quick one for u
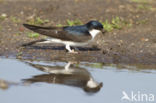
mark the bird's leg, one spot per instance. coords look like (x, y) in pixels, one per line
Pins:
(67, 66)
(70, 50)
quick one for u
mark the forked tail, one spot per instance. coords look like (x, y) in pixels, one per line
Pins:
(33, 42)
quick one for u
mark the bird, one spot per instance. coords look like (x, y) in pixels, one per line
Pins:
(69, 74)
(78, 35)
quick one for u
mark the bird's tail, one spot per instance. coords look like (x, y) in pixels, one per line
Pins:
(33, 27)
(48, 31)
(33, 42)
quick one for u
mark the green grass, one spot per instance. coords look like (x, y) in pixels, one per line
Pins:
(19, 54)
(59, 25)
(115, 23)
(142, 21)
(74, 22)
(107, 26)
(37, 21)
(32, 35)
(71, 23)
(15, 19)
(3, 17)
(17, 34)
(145, 7)
(141, 6)
(141, 1)
(97, 65)
(41, 21)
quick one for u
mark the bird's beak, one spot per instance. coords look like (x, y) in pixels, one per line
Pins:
(103, 31)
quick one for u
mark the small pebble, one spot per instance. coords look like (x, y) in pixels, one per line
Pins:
(4, 15)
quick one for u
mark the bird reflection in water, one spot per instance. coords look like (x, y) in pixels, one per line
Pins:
(70, 74)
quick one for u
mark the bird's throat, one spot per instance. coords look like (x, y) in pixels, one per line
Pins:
(94, 32)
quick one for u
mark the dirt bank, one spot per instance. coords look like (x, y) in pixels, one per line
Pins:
(133, 44)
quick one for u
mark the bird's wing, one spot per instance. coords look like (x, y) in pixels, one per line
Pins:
(60, 33)
(46, 68)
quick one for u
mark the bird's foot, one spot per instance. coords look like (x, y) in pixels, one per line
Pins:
(73, 52)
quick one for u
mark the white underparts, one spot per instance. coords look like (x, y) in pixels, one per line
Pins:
(66, 43)
(94, 32)
(70, 43)
(92, 84)
(65, 70)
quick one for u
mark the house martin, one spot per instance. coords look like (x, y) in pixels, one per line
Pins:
(79, 35)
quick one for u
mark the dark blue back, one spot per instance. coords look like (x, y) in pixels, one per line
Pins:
(77, 30)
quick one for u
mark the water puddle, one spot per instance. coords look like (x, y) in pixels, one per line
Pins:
(24, 81)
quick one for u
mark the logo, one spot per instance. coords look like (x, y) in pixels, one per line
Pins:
(137, 96)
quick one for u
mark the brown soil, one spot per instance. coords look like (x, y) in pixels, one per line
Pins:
(130, 45)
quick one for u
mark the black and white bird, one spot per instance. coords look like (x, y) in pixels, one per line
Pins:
(69, 74)
(69, 35)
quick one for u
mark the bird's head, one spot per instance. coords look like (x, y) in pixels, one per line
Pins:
(95, 25)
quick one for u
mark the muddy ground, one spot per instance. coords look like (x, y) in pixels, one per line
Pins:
(135, 44)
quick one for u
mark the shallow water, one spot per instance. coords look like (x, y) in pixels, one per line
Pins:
(23, 81)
